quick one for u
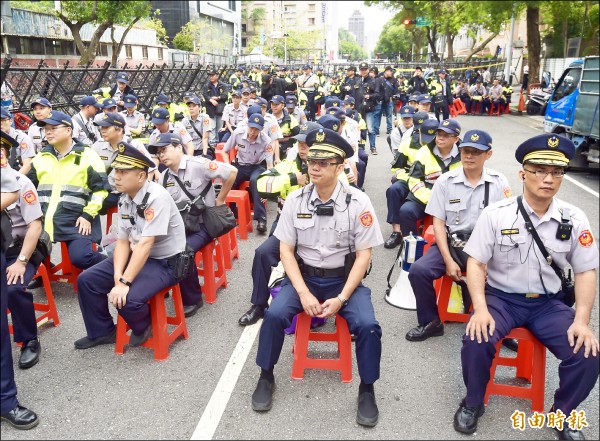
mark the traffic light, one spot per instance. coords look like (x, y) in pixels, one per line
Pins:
(409, 22)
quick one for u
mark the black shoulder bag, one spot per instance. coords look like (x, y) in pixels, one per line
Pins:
(191, 212)
(567, 283)
(458, 240)
(210, 151)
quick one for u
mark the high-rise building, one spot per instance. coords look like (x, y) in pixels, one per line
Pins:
(356, 25)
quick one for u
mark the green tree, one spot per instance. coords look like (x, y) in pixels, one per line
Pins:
(103, 14)
(300, 44)
(395, 38)
(154, 22)
(45, 7)
(349, 47)
(201, 37)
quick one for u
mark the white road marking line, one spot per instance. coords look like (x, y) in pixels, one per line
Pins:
(218, 401)
(580, 185)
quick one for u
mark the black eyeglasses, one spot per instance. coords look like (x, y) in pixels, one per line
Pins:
(541, 174)
(322, 163)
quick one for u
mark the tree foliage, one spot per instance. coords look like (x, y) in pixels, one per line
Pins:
(45, 7)
(200, 36)
(395, 38)
(154, 22)
(103, 14)
(349, 47)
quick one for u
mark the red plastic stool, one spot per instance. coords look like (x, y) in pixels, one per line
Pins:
(161, 337)
(109, 217)
(65, 270)
(429, 236)
(49, 311)
(531, 365)
(300, 348)
(460, 107)
(443, 289)
(205, 263)
(242, 200)
(453, 112)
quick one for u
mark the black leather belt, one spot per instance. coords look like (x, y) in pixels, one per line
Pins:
(322, 272)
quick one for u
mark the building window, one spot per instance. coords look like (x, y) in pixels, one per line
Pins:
(128, 51)
(244, 27)
(311, 21)
(244, 42)
(102, 50)
(311, 7)
(231, 5)
(53, 47)
(160, 53)
(290, 22)
(145, 52)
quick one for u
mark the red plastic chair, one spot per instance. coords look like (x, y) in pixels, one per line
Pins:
(65, 270)
(443, 289)
(205, 260)
(244, 213)
(109, 217)
(531, 365)
(161, 337)
(300, 348)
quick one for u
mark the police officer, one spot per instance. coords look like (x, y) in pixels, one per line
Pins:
(271, 128)
(196, 175)
(287, 123)
(522, 289)
(497, 96)
(83, 129)
(10, 410)
(308, 83)
(351, 83)
(150, 239)
(26, 219)
(112, 129)
(135, 120)
(72, 183)
(444, 97)
(233, 114)
(110, 106)
(417, 84)
(254, 156)
(285, 177)
(456, 201)
(200, 127)
(325, 282)
(121, 89)
(41, 108)
(406, 117)
(215, 97)
(291, 104)
(21, 154)
(162, 124)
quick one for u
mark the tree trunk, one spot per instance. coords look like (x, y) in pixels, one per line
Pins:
(431, 37)
(116, 47)
(481, 46)
(450, 44)
(534, 46)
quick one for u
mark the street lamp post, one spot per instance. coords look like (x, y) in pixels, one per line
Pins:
(285, 36)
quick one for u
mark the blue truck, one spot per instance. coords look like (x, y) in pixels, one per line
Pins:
(572, 110)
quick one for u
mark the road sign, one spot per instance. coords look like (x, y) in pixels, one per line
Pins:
(423, 21)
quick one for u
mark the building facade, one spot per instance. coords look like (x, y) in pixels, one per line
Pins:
(356, 25)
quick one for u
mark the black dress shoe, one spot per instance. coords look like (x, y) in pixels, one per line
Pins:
(261, 226)
(465, 418)
(138, 340)
(253, 315)
(30, 353)
(21, 418)
(511, 343)
(262, 398)
(394, 240)
(434, 328)
(190, 310)
(35, 283)
(367, 413)
(87, 343)
(570, 434)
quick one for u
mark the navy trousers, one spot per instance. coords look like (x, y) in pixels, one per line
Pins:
(251, 173)
(358, 313)
(82, 255)
(95, 284)
(421, 275)
(361, 167)
(191, 293)
(20, 303)
(266, 256)
(8, 388)
(548, 320)
(396, 196)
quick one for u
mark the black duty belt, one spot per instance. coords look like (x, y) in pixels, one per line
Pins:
(322, 272)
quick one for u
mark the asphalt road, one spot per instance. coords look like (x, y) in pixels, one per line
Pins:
(96, 394)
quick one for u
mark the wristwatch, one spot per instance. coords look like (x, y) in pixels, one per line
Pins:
(343, 300)
(124, 281)
(23, 259)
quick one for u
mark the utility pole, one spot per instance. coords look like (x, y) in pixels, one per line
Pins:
(509, 50)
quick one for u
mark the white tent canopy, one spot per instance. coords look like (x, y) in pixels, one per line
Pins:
(254, 57)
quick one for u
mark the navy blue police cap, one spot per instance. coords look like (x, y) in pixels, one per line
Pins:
(450, 126)
(337, 112)
(477, 139)
(407, 111)
(111, 119)
(256, 121)
(129, 158)
(419, 118)
(5, 113)
(163, 140)
(327, 144)
(90, 101)
(329, 122)
(42, 101)
(546, 149)
(56, 118)
(254, 108)
(333, 102)
(123, 77)
(428, 130)
(130, 101)
(305, 129)
(160, 115)
(108, 103)
(278, 99)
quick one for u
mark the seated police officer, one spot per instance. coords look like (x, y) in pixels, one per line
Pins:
(11, 411)
(26, 218)
(187, 176)
(150, 239)
(513, 285)
(326, 221)
(456, 201)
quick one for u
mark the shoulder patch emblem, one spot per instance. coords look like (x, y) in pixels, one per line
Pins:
(29, 197)
(206, 121)
(273, 128)
(269, 149)
(212, 165)
(366, 219)
(149, 214)
(507, 192)
(586, 239)
(23, 145)
(182, 132)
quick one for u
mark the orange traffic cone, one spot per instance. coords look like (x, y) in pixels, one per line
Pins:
(521, 103)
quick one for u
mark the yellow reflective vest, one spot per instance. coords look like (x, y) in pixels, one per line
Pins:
(69, 188)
